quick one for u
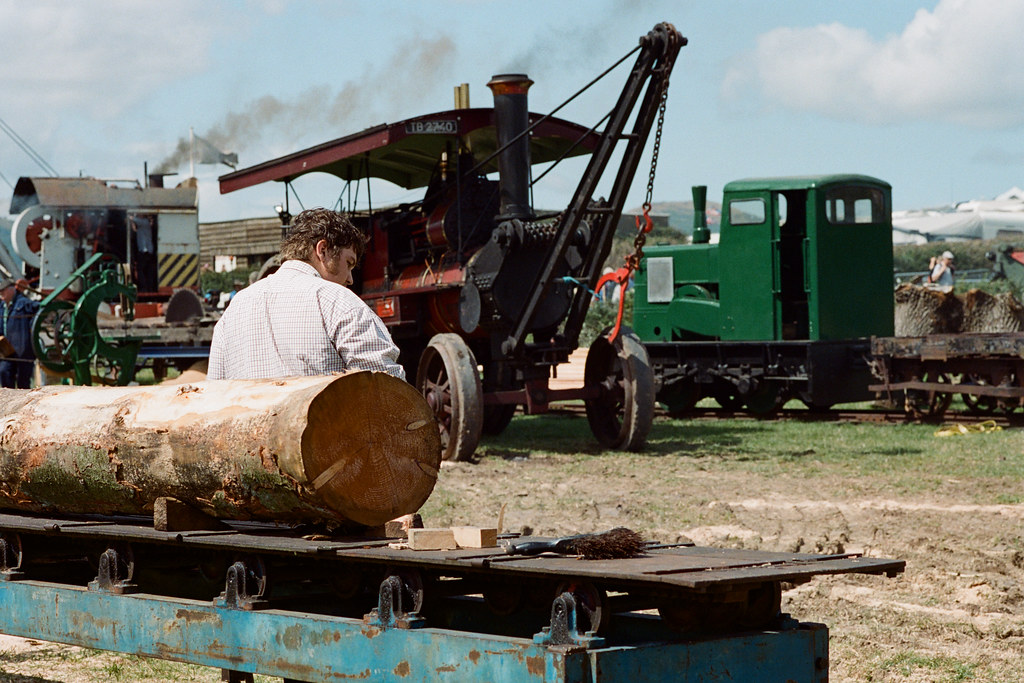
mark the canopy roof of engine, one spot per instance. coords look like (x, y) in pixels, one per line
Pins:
(407, 153)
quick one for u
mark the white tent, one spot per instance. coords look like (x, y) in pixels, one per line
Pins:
(971, 220)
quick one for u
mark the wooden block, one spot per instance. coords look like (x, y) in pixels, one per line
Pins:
(431, 539)
(475, 537)
(399, 527)
(170, 514)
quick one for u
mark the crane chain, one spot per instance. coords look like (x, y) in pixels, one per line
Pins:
(633, 260)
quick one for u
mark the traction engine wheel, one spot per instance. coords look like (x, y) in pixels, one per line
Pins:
(448, 378)
(621, 416)
(497, 417)
(927, 403)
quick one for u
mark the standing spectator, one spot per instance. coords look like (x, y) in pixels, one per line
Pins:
(16, 313)
(941, 270)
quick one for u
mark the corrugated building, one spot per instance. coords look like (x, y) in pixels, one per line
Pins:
(251, 241)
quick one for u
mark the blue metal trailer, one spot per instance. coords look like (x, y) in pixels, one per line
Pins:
(251, 598)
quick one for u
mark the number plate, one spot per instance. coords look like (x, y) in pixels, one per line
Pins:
(442, 127)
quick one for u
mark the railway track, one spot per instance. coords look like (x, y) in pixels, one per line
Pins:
(876, 415)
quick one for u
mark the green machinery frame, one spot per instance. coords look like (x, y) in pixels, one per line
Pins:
(65, 335)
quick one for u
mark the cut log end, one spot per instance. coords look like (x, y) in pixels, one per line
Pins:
(371, 447)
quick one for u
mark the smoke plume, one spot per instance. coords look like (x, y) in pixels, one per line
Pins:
(395, 89)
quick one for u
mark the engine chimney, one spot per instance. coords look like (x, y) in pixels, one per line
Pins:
(511, 118)
(701, 234)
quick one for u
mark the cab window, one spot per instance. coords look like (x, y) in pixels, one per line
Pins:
(746, 212)
(854, 204)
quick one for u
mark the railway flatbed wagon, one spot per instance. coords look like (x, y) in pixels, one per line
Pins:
(986, 369)
(263, 598)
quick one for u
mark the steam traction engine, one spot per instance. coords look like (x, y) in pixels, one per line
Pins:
(472, 277)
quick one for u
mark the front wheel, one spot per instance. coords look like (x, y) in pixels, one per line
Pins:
(448, 378)
(621, 415)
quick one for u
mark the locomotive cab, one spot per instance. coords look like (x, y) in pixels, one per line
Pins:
(803, 265)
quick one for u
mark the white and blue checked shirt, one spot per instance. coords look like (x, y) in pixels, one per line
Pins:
(296, 323)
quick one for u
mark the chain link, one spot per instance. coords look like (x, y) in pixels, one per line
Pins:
(633, 260)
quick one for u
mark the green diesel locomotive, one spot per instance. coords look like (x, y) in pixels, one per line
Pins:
(784, 305)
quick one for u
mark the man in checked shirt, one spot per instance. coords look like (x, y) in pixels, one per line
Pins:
(303, 319)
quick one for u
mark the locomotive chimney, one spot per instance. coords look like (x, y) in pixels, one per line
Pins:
(511, 118)
(701, 234)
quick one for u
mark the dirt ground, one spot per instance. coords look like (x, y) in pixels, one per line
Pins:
(956, 614)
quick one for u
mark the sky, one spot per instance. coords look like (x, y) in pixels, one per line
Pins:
(926, 95)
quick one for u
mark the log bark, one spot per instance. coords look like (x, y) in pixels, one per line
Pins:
(921, 311)
(361, 447)
(984, 312)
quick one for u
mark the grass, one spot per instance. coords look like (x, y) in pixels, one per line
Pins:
(939, 668)
(910, 452)
(555, 478)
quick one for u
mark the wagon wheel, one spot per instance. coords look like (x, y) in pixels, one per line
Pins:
(412, 584)
(763, 604)
(10, 555)
(447, 377)
(1010, 404)
(680, 396)
(765, 400)
(52, 335)
(504, 599)
(591, 605)
(814, 406)
(104, 371)
(981, 405)
(927, 403)
(621, 415)
(725, 394)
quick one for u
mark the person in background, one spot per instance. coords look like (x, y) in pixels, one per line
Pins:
(303, 319)
(942, 270)
(144, 258)
(16, 314)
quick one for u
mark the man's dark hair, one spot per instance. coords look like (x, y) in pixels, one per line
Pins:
(313, 225)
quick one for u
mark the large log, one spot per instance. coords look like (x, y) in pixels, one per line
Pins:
(984, 312)
(361, 447)
(922, 310)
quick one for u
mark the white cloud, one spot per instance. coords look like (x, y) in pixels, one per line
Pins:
(960, 63)
(100, 58)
